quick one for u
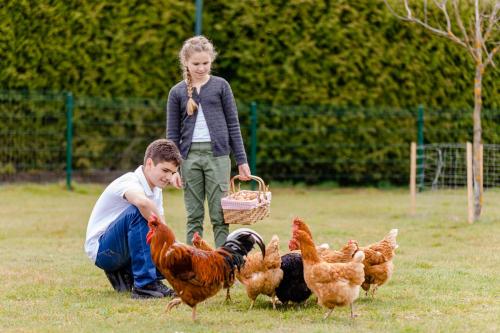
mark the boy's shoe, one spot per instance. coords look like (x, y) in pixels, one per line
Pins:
(148, 291)
(166, 291)
(121, 280)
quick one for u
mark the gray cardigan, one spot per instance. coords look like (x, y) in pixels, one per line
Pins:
(221, 116)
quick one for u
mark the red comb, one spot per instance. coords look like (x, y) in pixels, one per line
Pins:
(196, 236)
(292, 245)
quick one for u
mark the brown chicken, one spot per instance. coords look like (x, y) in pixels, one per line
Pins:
(201, 244)
(345, 254)
(197, 274)
(335, 284)
(262, 275)
(378, 262)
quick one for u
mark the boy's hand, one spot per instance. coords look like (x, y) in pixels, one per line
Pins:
(244, 171)
(176, 181)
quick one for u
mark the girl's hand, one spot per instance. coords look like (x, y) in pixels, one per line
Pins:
(176, 181)
(244, 171)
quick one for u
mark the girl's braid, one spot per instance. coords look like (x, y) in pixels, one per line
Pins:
(191, 106)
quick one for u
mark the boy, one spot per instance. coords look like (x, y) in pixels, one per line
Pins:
(117, 228)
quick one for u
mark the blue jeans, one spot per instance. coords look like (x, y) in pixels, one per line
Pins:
(123, 246)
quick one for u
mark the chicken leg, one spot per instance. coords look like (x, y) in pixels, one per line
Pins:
(353, 315)
(328, 313)
(193, 313)
(366, 287)
(173, 303)
(374, 290)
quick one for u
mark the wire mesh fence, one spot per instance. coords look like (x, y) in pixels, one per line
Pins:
(32, 132)
(110, 136)
(304, 143)
(444, 166)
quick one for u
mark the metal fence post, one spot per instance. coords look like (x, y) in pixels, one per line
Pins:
(420, 148)
(197, 24)
(69, 138)
(253, 141)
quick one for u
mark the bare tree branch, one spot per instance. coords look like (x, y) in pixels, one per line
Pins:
(494, 20)
(408, 11)
(489, 60)
(438, 4)
(451, 35)
(393, 12)
(425, 11)
(409, 18)
(442, 6)
(462, 28)
(467, 39)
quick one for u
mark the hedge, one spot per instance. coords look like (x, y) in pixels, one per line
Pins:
(278, 52)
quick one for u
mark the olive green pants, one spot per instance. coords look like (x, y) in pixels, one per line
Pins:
(205, 176)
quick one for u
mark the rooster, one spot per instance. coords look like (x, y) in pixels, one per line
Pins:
(345, 254)
(197, 274)
(378, 262)
(335, 284)
(201, 244)
(262, 275)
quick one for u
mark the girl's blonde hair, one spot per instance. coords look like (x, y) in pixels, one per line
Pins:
(190, 46)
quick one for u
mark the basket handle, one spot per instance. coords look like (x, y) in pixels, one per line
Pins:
(262, 185)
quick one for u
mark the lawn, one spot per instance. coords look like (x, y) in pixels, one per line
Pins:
(446, 271)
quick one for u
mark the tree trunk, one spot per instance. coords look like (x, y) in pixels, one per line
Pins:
(476, 143)
(478, 103)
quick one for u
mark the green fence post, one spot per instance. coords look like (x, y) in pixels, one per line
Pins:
(420, 147)
(197, 24)
(69, 138)
(253, 141)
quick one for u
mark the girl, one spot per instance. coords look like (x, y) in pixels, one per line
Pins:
(202, 120)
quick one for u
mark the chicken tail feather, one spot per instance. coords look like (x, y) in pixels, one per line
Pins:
(242, 241)
(238, 244)
(359, 256)
(391, 238)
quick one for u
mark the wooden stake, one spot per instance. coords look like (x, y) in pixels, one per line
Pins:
(470, 195)
(413, 178)
(481, 171)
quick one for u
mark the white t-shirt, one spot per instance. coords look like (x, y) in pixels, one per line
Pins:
(112, 203)
(201, 133)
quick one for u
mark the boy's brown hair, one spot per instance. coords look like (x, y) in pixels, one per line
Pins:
(163, 150)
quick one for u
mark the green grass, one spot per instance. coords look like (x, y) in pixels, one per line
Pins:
(446, 272)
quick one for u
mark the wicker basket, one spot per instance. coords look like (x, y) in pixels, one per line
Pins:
(246, 207)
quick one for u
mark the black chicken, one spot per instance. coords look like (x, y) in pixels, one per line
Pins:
(292, 288)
